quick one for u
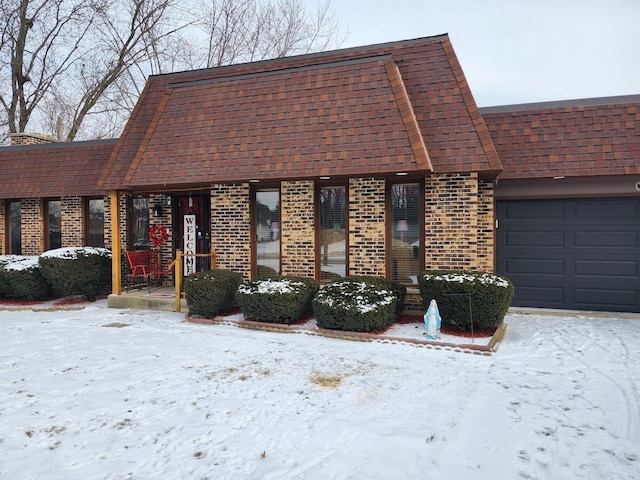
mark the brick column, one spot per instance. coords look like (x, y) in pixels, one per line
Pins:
(366, 226)
(486, 227)
(231, 227)
(297, 242)
(32, 226)
(3, 229)
(72, 222)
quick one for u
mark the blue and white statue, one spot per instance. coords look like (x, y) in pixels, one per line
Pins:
(432, 321)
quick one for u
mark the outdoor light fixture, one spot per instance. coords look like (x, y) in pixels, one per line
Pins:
(157, 209)
(167, 199)
(402, 174)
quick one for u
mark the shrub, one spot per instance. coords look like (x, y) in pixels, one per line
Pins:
(398, 289)
(212, 292)
(26, 279)
(359, 305)
(82, 271)
(276, 299)
(5, 285)
(490, 299)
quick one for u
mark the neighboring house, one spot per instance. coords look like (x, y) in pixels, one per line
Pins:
(370, 160)
(568, 202)
(49, 195)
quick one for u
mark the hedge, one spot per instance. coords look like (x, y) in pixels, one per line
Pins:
(212, 292)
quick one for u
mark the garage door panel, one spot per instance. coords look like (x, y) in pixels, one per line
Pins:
(527, 238)
(571, 253)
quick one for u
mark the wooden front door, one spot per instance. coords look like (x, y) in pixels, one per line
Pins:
(193, 230)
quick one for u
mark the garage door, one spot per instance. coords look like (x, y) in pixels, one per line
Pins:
(573, 254)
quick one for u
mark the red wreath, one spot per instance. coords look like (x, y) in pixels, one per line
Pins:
(157, 235)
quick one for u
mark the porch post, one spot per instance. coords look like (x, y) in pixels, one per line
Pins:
(116, 266)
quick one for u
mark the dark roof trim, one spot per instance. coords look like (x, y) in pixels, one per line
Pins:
(583, 102)
(46, 146)
(318, 66)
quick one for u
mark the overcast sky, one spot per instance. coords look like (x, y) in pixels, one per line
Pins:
(516, 51)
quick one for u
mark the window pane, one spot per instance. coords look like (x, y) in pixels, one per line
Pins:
(333, 251)
(140, 224)
(53, 219)
(95, 227)
(268, 232)
(15, 229)
(405, 217)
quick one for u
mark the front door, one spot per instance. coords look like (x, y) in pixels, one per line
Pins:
(193, 230)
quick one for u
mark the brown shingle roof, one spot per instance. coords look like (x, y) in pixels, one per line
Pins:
(53, 170)
(402, 106)
(574, 138)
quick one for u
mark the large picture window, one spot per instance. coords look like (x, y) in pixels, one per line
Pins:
(406, 232)
(14, 222)
(332, 217)
(53, 232)
(95, 222)
(139, 223)
(267, 232)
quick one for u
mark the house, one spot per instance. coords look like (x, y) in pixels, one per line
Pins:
(371, 160)
(568, 202)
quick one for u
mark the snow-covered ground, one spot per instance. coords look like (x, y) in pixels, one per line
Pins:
(120, 394)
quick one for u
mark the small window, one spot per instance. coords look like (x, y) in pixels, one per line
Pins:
(267, 232)
(14, 228)
(53, 232)
(406, 232)
(332, 217)
(95, 222)
(139, 223)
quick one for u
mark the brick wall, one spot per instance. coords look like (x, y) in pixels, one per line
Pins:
(3, 228)
(72, 222)
(24, 138)
(367, 226)
(297, 243)
(486, 226)
(32, 226)
(451, 222)
(230, 227)
(166, 220)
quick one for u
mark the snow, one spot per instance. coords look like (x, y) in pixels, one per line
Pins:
(102, 393)
(73, 252)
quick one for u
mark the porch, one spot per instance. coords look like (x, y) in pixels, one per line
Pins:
(160, 298)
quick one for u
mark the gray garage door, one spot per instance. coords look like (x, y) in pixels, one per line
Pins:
(574, 254)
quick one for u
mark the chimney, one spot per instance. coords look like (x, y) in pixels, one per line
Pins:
(24, 138)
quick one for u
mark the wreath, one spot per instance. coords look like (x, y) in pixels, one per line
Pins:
(157, 235)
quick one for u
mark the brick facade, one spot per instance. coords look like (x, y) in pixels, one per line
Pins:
(72, 221)
(297, 221)
(486, 226)
(3, 223)
(367, 226)
(32, 223)
(231, 227)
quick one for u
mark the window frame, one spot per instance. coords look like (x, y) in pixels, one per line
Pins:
(318, 227)
(389, 224)
(253, 210)
(87, 220)
(8, 228)
(131, 241)
(46, 209)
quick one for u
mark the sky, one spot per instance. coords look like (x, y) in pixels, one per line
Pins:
(515, 51)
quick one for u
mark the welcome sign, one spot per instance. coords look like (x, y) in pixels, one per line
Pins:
(189, 243)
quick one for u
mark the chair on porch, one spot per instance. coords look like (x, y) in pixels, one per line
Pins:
(147, 264)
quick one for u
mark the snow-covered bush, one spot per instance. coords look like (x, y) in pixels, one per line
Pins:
(359, 305)
(82, 271)
(398, 289)
(5, 286)
(276, 299)
(24, 278)
(490, 298)
(212, 292)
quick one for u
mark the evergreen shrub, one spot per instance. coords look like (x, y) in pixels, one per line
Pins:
(490, 298)
(82, 271)
(5, 285)
(277, 299)
(212, 292)
(26, 280)
(398, 289)
(360, 304)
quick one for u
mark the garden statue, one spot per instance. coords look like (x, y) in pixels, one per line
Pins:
(432, 321)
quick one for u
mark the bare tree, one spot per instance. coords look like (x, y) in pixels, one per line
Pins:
(79, 65)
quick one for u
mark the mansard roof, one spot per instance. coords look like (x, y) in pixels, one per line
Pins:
(375, 110)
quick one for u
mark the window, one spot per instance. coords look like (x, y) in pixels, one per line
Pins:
(53, 233)
(14, 229)
(406, 232)
(267, 232)
(139, 223)
(95, 222)
(332, 240)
